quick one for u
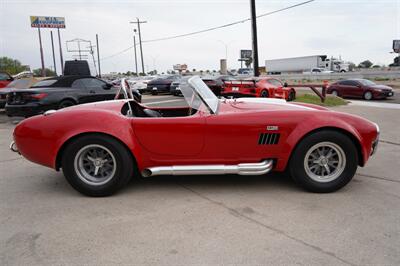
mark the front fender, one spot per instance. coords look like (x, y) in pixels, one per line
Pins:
(319, 121)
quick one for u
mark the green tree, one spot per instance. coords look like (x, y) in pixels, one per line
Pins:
(194, 70)
(38, 72)
(352, 66)
(365, 64)
(11, 66)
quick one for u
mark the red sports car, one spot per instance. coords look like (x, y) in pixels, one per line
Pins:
(5, 79)
(101, 146)
(259, 87)
(360, 88)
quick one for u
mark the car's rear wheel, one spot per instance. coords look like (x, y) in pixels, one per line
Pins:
(97, 165)
(368, 95)
(324, 161)
(65, 104)
(264, 94)
(335, 93)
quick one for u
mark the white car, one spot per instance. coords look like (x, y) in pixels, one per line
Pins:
(318, 70)
(140, 83)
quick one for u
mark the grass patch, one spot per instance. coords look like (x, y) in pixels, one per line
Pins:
(314, 99)
(381, 79)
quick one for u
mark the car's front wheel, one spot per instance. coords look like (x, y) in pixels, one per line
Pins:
(368, 95)
(97, 165)
(324, 161)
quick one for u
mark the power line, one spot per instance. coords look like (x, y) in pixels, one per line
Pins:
(210, 29)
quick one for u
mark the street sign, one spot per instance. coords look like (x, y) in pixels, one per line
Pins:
(246, 54)
(47, 22)
(396, 46)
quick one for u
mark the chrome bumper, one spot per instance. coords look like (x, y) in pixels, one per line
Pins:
(13, 147)
(376, 141)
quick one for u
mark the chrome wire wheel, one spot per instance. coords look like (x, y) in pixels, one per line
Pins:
(95, 164)
(324, 162)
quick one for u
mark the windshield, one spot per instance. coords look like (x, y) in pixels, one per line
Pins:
(44, 83)
(197, 93)
(366, 82)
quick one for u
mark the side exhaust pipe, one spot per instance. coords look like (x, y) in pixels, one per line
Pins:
(240, 169)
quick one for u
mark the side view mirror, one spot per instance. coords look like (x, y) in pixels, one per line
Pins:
(285, 84)
(107, 86)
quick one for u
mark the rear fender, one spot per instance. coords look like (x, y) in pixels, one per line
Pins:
(105, 122)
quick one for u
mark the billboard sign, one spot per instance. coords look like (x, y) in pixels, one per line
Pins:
(246, 54)
(396, 46)
(180, 67)
(47, 22)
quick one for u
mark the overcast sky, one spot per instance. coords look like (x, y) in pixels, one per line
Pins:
(353, 29)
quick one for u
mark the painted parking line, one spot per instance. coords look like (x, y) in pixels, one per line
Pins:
(376, 104)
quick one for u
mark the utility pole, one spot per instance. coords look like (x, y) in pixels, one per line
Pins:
(134, 47)
(41, 52)
(52, 48)
(98, 54)
(138, 22)
(61, 53)
(254, 35)
(92, 53)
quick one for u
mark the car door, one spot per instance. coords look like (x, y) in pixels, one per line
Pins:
(171, 136)
(80, 91)
(97, 90)
(352, 88)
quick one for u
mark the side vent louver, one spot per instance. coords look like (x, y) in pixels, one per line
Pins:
(268, 138)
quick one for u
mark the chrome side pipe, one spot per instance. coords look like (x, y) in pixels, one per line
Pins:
(239, 169)
(13, 147)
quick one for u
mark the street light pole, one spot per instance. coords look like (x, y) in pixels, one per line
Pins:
(41, 53)
(254, 35)
(140, 43)
(134, 47)
(52, 49)
(138, 22)
(98, 54)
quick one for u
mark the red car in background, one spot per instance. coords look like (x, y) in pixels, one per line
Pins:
(5, 78)
(259, 87)
(360, 88)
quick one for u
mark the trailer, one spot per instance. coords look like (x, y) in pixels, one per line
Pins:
(304, 64)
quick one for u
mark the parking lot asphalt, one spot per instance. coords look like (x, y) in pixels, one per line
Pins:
(204, 219)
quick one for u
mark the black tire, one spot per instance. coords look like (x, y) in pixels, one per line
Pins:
(124, 167)
(154, 92)
(292, 96)
(65, 104)
(297, 162)
(264, 94)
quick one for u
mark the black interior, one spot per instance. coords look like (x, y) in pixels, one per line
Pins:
(141, 111)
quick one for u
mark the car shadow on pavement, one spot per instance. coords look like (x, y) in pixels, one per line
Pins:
(273, 181)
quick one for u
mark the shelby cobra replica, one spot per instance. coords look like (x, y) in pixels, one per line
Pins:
(101, 146)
